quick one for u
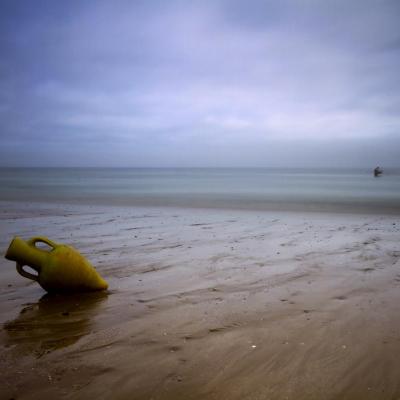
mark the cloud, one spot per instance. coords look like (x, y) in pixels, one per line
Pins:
(163, 79)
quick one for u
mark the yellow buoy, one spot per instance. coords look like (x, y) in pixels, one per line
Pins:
(62, 269)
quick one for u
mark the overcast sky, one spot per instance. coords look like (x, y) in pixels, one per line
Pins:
(200, 83)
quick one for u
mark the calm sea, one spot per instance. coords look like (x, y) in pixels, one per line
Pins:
(245, 188)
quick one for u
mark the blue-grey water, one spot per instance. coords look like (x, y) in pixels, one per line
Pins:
(245, 188)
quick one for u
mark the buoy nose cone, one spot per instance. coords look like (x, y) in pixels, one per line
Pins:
(104, 285)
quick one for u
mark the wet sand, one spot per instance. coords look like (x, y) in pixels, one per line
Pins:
(206, 304)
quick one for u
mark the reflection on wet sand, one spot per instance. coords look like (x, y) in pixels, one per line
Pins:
(258, 305)
(55, 321)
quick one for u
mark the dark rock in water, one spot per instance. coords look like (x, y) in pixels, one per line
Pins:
(377, 171)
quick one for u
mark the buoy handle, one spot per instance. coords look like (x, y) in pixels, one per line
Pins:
(26, 274)
(41, 239)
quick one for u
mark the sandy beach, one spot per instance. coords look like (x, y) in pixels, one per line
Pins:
(206, 304)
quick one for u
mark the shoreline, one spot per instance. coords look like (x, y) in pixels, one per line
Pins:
(205, 303)
(190, 204)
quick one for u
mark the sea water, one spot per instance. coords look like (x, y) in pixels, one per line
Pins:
(245, 188)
